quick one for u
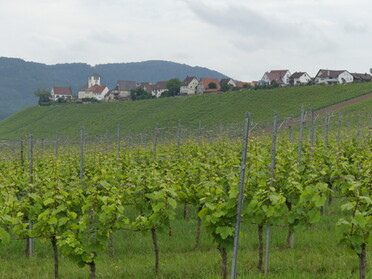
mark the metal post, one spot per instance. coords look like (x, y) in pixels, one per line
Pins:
(359, 128)
(179, 130)
(326, 147)
(129, 140)
(81, 154)
(299, 151)
(42, 148)
(241, 195)
(311, 133)
(339, 128)
(155, 139)
(199, 133)
(326, 130)
(272, 177)
(57, 145)
(31, 173)
(119, 144)
(21, 154)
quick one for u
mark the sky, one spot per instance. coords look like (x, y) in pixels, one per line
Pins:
(239, 38)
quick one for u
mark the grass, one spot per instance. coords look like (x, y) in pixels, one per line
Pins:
(211, 110)
(362, 107)
(316, 255)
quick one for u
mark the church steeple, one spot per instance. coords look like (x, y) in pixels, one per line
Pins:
(94, 80)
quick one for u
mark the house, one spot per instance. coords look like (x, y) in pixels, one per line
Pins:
(93, 89)
(99, 92)
(208, 85)
(333, 77)
(159, 88)
(358, 77)
(227, 82)
(188, 86)
(280, 77)
(242, 84)
(121, 91)
(147, 86)
(299, 78)
(61, 92)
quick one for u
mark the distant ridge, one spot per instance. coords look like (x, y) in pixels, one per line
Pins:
(20, 78)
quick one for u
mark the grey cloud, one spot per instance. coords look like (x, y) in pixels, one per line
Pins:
(242, 20)
(355, 27)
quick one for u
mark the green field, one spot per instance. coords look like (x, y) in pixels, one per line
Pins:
(362, 107)
(128, 193)
(211, 110)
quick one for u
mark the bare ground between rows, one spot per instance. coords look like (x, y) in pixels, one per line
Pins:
(295, 120)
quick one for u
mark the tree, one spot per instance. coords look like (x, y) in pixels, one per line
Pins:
(173, 86)
(226, 87)
(44, 97)
(212, 85)
(140, 94)
(61, 100)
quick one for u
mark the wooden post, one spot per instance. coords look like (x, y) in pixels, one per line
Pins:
(272, 177)
(241, 195)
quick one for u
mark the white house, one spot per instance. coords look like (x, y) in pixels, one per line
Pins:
(121, 91)
(159, 88)
(333, 77)
(279, 76)
(61, 92)
(227, 81)
(188, 86)
(299, 78)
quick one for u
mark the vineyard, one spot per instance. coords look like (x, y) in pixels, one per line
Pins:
(168, 204)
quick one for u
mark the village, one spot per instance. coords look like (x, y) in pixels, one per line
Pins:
(125, 90)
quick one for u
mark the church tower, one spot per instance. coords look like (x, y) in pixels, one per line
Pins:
(94, 80)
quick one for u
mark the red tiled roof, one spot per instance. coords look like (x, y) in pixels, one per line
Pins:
(161, 85)
(207, 81)
(296, 75)
(241, 84)
(97, 89)
(187, 81)
(276, 75)
(125, 85)
(58, 90)
(329, 73)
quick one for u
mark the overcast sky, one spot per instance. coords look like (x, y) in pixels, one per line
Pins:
(239, 38)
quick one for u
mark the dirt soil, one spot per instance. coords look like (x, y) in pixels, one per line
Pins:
(296, 120)
(344, 104)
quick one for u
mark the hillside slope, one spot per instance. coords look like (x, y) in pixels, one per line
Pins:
(19, 79)
(209, 109)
